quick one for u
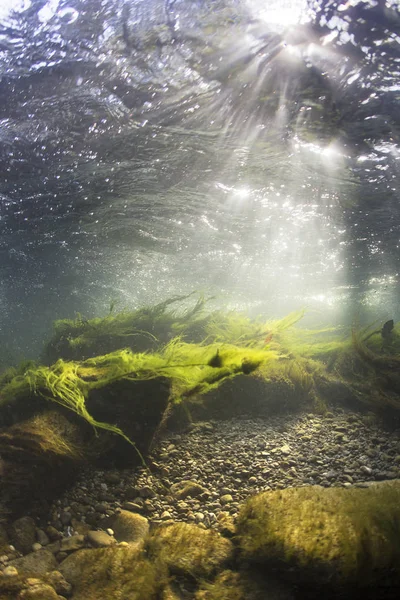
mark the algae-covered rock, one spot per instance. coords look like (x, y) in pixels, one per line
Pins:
(326, 535)
(40, 457)
(20, 588)
(186, 488)
(37, 590)
(230, 585)
(127, 526)
(113, 573)
(190, 550)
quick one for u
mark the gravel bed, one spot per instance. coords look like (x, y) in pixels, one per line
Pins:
(231, 460)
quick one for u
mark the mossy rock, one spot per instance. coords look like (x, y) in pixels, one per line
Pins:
(335, 535)
(230, 585)
(114, 573)
(39, 458)
(246, 395)
(22, 588)
(190, 551)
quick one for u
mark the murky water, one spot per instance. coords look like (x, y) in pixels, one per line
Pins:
(149, 148)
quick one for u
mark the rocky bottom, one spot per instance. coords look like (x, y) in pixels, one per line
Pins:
(214, 466)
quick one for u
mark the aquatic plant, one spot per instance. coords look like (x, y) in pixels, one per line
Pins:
(236, 328)
(189, 367)
(146, 328)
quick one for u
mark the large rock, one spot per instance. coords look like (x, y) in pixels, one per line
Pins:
(40, 457)
(189, 550)
(331, 536)
(116, 572)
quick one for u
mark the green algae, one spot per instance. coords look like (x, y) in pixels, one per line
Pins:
(187, 366)
(197, 351)
(146, 328)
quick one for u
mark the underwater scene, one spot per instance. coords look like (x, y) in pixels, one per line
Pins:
(199, 299)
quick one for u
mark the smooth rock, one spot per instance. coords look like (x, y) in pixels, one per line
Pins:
(100, 539)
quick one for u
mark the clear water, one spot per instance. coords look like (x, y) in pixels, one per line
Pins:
(246, 149)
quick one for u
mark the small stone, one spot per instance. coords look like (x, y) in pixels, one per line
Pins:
(10, 571)
(132, 506)
(285, 449)
(42, 537)
(128, 526)
(226, 498)
(148, 506)
(199, 517)
(166, 515)
(112, 477)
(53, 533)
(36, 546)
(146, 492)
(366, 470)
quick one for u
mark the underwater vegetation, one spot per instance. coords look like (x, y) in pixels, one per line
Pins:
(200, 352)
(146, 328)
(192, 369)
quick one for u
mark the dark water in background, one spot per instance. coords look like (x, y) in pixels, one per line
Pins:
(247, 149)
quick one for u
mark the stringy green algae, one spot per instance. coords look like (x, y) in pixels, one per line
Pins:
(191, 368)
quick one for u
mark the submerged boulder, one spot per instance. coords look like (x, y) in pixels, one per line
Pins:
(116, 572)
(40, 457)
(191, 551)
(327, 536)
